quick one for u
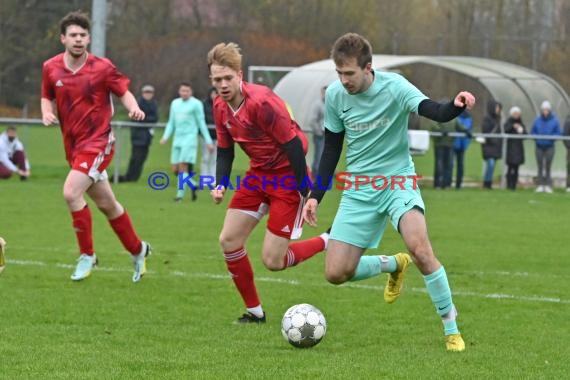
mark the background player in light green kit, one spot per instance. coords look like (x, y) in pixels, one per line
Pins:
(370, 109)
(185, 117)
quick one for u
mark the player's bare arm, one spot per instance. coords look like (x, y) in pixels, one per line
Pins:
(130, 103)
(48, 115)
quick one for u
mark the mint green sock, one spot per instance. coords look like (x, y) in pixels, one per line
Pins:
(440, 294)
(370, 266)
(180, 193)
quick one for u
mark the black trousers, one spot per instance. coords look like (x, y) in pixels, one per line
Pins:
(136, 163)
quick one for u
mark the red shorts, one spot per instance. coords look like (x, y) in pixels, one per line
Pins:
(92, 164)
(259, 194)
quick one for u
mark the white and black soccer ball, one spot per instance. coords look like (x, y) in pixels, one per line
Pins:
(303, 325)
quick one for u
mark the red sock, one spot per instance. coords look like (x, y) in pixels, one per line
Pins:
(83, 230)
(303, 250)
(124, 229)
(242, 274)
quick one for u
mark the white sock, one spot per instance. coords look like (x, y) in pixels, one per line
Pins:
(257, 311)
(325, 236)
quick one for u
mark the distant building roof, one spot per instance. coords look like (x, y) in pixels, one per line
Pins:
(508, 83)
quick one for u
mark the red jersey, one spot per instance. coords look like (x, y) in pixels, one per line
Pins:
(84, 103)
(260, 126)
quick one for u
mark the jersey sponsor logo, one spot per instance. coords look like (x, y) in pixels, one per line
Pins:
(286, 229)
(84, 165)
(380, 123)
(59, 83)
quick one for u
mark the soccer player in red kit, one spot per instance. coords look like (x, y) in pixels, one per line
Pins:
(80, 84)
(258, 120)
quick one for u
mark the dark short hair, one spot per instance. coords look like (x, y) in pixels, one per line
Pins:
(75, 18)
(352, 45)
(185, 84)
(11, 128)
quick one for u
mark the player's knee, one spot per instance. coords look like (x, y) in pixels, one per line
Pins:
(337, 277)
(422, 254)
(70, 195)
(229, 243)
(273, 263)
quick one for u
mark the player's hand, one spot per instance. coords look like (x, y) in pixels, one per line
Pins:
(210, 147)
(48, 118)
(464, 99)
(218, 194)
(162, 141)
(24, 173)
(310, 212)
(137, 114)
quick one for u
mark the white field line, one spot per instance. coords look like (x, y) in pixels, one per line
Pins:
(214, 276)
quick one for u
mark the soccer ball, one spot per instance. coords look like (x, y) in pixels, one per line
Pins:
(303, 325)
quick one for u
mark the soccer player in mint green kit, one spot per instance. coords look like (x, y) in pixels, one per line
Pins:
(370, 109)
(185, 118)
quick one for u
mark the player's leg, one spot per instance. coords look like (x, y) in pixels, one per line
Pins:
(414, 233)
(285, 223)
(182, 168)
(2, 254)
(356, 227)
(121, 223)
(74, 188)
(5, 173)
(237, 227)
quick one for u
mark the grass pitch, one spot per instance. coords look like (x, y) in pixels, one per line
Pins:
(505, 254)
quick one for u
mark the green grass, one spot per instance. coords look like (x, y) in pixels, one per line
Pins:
(177, 323)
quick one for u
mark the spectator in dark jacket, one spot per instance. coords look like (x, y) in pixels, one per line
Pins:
(515, 148)
(567, 145)
(141, 137)
(208, 163)
(443, 148)
(492, 150)
(545, 124)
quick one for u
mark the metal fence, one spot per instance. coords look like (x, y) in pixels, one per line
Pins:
(121, 155)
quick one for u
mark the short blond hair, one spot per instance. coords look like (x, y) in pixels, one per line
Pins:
(225, 55)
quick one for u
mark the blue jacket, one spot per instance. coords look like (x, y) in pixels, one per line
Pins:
(462, 143)
(545, 126)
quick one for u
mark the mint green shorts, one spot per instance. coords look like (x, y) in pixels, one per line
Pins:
(363, 214)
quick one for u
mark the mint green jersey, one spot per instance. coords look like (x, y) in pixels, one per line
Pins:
(375, 123)
(185, 119)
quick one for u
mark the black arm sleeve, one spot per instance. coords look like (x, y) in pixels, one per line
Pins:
(439, 112)
(327, 165)
(224, 161)
(296, 156)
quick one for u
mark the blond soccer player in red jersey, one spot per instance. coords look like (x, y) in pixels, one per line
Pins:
(79, 86)
(258, 120)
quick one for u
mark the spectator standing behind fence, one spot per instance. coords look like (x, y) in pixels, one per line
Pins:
(460, 145)
(567, 145)
(208, 163)
(491, 146)
(443, 148)
(141, 137)
(12, 155)
(515, 147)
(185, 118)
(545, 124)
(318, 129)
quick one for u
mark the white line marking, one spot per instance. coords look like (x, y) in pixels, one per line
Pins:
(215, 276)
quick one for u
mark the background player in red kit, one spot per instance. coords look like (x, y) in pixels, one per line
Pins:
(258, 120)
(81, 86)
